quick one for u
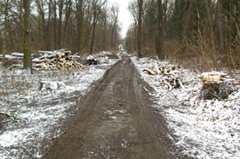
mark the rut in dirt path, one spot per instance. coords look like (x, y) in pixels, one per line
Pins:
(115, 121)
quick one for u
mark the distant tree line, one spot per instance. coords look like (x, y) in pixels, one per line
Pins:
(205, 29)
(78, 25)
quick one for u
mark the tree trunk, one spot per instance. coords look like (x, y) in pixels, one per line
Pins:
(47, 35)
(26, 61)
(105, 32)
(80, 15)
(165, 16)
(60, 24)
(221, 28)
(187, 26)
(139, 28)
(159, 37)
(68, 11)
(55, 24)
(94, 27)
(5, 34)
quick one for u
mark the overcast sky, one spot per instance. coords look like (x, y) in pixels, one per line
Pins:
(124, 15)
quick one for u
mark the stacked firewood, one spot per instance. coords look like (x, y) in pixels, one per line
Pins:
(169, 76)
(56, 60)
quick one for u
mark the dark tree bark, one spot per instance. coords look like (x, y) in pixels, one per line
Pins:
(139, 28)
(60, 8)
(47, 35)
(221, 28)
(159, 38)
(68, 12)
(187, 26)
(165, 16)
(97, 4)
(105, 32)
(5, 34)
(55, 24)
(26, 60)
(42, 25)
(80, 18)
(93, 33)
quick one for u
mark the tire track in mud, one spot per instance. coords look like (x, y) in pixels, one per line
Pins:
(115, 120)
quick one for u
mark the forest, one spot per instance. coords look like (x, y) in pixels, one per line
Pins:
(74, 86)
(77, 25)
(203, 32)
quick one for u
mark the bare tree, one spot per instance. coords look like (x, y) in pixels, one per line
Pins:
(139, 28)
(5, 33)
(55, 24)
(80, 18)
(96, 6)
(26, 6)
(60, 13)
(74, 24)
(221, 28)
(114, 12)
(159, 38)
(187, 26)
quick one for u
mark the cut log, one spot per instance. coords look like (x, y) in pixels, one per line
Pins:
(208, 77)
(170, 79)
(149, 71)
(57, 60)
(4, 116)
(50, 85)
(17, 54)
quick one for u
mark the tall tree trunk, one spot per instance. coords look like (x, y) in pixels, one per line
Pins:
(221, 28)
(26, 59)
(79, 26)
(94, 27)
(5, 34)
(47, 35)
(187, 26)
(55, 24)
(113, 34)
(165, 16)
(105, 32)
(159, 38)
(42, 24)
(60, 24)
(139, 28)
(67, 16)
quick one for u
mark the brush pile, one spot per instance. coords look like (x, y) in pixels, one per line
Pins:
(56, 60)
(216, 85)
(168, 74)
(92, 61)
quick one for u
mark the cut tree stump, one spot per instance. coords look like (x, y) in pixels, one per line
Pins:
(216, 90)
(216, 85)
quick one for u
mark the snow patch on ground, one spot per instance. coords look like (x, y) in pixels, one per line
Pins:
(205, 129)
(36, 114)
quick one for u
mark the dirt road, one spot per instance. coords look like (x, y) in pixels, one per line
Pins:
(115, 121)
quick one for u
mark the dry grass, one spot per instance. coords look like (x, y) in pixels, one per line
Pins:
(202, 55)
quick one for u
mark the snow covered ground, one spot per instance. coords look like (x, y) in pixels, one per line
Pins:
(35, 114)
(204, 129)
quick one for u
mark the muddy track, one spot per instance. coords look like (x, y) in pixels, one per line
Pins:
(115, 121)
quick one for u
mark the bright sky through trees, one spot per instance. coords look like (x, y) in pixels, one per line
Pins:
(124, 15)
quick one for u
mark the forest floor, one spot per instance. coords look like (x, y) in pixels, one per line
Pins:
(30, 118)
(203, 129)
(115, 121)
(114, 110)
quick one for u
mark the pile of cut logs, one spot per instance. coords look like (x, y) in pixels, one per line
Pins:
(170, 78)
(56, 60)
